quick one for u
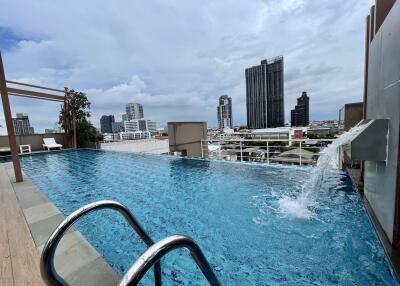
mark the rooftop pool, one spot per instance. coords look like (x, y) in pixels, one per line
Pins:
(252, 221)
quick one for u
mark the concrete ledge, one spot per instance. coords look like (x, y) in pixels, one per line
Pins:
(76, 260)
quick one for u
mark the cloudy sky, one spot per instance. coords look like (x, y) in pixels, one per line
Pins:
(177, 57)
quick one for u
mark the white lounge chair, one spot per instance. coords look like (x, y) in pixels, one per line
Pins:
(50, 143)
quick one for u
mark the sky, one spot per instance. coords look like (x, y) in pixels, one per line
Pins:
(177, 57)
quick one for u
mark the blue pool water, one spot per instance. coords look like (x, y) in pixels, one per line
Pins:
(233, 210)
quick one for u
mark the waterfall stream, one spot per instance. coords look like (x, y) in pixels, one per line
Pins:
(302, 205)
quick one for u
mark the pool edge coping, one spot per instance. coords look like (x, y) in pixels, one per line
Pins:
(76, 260)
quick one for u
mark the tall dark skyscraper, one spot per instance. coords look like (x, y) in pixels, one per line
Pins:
(224, 110)
(265, 94)
(106, 122)
(300, 115)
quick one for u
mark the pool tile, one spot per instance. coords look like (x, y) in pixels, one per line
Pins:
(73, 252)
(40, 212)
(42, 230)
(30, 197)
(97, 272)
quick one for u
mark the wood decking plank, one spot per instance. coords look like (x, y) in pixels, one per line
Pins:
(6, 277)
(24, 257)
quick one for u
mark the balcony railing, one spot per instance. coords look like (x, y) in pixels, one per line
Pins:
(282, 151)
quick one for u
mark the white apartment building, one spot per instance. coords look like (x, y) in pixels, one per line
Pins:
(140, 125)
(134, 135)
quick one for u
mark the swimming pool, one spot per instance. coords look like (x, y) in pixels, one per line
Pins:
(233, 210)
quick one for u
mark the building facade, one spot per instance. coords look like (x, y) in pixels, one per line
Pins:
(133, 111)
(265, 94)
(224, 111)
(117, 127)
(22, 125)
(106, 122)
(300, 115)
(140, 125)
(350, 115)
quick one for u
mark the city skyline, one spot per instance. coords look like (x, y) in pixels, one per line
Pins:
(328, 62)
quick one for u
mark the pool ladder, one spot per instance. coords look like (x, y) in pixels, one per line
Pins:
(151, 257)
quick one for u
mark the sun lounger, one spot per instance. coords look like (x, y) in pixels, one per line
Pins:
(50, 143)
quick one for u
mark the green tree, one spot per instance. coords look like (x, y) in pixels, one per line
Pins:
(77, 106)
(85, 133)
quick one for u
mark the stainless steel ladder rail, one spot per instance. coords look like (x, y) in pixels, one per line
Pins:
(47, 268)
(155, 252)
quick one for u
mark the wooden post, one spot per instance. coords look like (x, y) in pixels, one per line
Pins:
(10, 127)
(74, 128)
(241, 151)
(300, 154)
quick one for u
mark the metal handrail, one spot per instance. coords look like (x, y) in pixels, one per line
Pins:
(47, 268)
(154, 253)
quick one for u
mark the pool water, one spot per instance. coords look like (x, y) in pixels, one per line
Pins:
(231, 209)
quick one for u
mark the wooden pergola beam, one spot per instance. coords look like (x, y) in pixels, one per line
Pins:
(36, 94)
(35, 97)
(35, 86)
(5, 92)
(10, 127)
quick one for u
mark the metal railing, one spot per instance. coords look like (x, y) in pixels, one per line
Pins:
(151, 257)
(283, 151)
(47, 268)
(160, 249)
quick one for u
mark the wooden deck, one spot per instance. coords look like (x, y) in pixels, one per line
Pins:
(19, 259)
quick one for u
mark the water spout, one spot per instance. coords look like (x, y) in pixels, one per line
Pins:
(303, 204)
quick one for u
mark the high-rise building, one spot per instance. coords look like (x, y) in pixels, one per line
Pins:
(106, 122)
(22, 125)
(265, 94)
(300, 115)
(225, 112)
(133, 111)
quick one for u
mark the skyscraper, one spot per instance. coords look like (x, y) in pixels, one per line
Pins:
(22, 125)
(106, 122)
(265, 94)
(300, 115)
(134, 111)
(225, 112)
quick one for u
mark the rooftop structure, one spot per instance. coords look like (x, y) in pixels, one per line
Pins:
(350, 114)
(185, 138)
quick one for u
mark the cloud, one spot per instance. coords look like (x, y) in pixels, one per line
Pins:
(177, 57)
